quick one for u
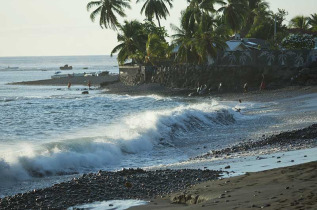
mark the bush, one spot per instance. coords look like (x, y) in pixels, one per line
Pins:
(298, 41)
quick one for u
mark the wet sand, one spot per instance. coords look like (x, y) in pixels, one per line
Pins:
(292, 187)
(289, 188)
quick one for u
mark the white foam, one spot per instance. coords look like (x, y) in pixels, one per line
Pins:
(104, 146)
(108, 205)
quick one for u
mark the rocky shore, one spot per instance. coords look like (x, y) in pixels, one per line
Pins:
(291, 187)
(125, 184)
(141, 184)
(297, 139)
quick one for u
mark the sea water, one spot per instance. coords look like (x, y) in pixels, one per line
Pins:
(50, 134)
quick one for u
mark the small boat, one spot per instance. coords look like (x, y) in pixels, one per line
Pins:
(66, 67)
(12, 67)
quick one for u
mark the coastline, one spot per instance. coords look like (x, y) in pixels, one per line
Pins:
(186, 186)
(291, 187)
(78, 80)
(115, 185)
(110, 84)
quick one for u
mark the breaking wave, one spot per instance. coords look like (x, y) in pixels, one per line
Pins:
(105, 146)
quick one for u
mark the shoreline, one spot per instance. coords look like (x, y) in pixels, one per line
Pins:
(110, 84)
(77, 80)
(152, 184)
(292, 187)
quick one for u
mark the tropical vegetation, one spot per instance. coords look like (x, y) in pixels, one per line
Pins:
(107, 9)
(205, 26)
(298, 42)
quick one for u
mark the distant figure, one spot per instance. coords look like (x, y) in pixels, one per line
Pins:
(89, 84)
(245, 87)
(262, 86)
(238, 109)
(220, 87)
(69, 85)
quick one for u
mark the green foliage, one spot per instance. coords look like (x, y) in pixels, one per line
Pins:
(197, 46)
(203, 29)
(298, 41)
(151, 28)
(263, 26)
(156, 8)
(106, 9)
(234, 14)
(156, 49)
(141, 42)
(299, 22)
(313, 22)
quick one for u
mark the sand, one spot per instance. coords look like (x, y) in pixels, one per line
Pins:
(292, 187)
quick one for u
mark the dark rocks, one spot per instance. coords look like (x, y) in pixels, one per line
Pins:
(306, 136)
(185, 199)
(124, 184)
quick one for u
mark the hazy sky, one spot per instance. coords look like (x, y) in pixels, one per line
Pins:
(63, 27)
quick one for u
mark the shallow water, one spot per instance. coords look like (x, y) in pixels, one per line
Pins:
(50, 134)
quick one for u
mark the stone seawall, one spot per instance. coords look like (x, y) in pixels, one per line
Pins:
(231, 77)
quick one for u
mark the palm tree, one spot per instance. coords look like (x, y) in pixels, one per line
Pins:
(210, 38)
(299, 22)
(254, 9)
(106, 9)
(193, 13)
(156, 49)
(132, 41)
(183, 41)
(156, 8)
(205, 41)
(234, 14)
(313, 21)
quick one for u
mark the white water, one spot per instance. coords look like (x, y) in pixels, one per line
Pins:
(48, 134)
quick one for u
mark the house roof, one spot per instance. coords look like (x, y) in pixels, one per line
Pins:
(254, 42)
(234, 45)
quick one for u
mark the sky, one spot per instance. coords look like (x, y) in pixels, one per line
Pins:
(63, 27)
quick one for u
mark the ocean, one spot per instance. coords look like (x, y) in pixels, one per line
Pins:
(50, 134)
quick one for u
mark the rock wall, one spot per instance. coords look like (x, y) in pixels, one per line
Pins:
(131, 75)
(232, 77)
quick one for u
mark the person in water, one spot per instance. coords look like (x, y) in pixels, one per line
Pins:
(69, 84)
(89, 84)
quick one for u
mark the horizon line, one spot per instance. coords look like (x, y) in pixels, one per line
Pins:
(14, 56)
